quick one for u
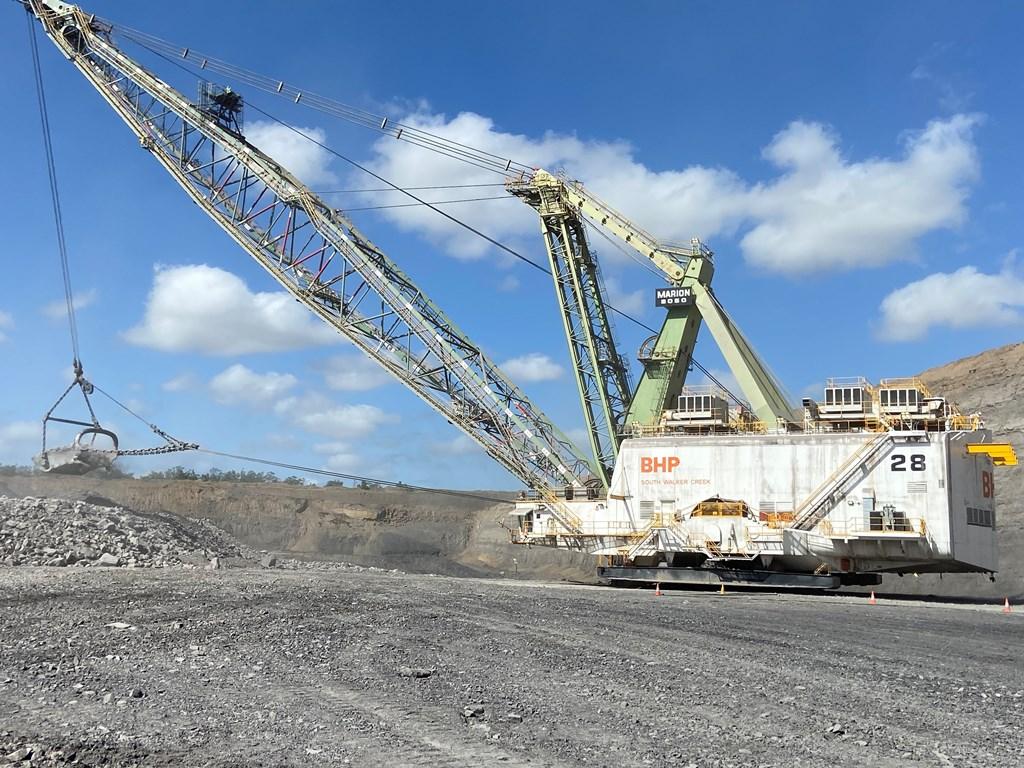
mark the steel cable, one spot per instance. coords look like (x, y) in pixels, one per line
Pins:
(359, 478)
(51, 170)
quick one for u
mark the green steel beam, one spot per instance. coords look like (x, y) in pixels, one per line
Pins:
(666, 358)
(762, 390)
(602, 376)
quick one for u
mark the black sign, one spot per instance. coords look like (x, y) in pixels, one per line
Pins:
(674, 297)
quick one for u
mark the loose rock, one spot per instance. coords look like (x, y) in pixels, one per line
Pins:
(416, 671)
(63, 533)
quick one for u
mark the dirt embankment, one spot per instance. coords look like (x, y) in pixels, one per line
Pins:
(992, 384)
(383, 527)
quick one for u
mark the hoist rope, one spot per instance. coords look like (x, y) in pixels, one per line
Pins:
(161, 48)
(173, 443)
(466, 226)
(179, 445)
(358, 478)
(433, 202)
(446, 147)
(397, 188)
(411, 134)
(392, 189)
(51, 170)
(419, 201)
(86, 386)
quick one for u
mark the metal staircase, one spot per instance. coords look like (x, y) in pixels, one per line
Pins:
(820, 502)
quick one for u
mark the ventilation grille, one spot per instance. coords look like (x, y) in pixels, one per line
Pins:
(646, 510)
(771, 507)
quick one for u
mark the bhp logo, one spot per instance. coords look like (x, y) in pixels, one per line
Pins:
(655, 464)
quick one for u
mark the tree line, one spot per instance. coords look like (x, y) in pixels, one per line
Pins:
(213, 475)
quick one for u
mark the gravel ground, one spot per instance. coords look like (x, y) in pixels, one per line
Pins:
(246, 666)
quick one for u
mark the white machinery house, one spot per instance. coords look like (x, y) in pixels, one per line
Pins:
(865, 488)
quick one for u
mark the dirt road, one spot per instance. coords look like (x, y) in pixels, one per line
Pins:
(267, 667)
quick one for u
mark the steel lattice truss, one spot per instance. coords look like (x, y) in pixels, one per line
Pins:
(321, 258)
(602, 375)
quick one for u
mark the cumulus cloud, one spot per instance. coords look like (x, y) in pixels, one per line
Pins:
(320, 416)
(353, 373)
(19, 440)
(967, 298)
(6, 323)
(181, 383)
(624, 300)
(460, 445)
(532, 367)
(198, 308)
(821, 211)
(238, 384)
(345, 462)
(302, 157)
(824, 212)
(508, 283)
(339, 456)
(578, 435)
(58, 310)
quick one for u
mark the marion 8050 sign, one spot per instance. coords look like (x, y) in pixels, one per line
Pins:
(674, 297)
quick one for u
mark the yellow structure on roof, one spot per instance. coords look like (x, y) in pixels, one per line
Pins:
(1002, 454)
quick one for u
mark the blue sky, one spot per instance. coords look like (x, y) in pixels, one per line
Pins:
(855, 168)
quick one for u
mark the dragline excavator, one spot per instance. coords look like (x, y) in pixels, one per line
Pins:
(676, 479)
(337, 272)
(611, 407)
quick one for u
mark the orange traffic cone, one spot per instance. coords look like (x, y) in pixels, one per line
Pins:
(1006, 605)
(721, 589)
(657, 589)
(871, 600)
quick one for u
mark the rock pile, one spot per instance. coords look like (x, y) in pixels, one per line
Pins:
(74, 533)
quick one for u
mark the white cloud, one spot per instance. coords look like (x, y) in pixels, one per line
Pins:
(508, 284)
(137, 405)
(825, 213)
(966, 298)
(630, 302)
(19, 440)
(238, 384)
(578, 435)
(58, 310)
(6, 323)
(320, 416)
(340, 457)
(722, 375)
(343, 462)
(951, 88)
(460, 445)
(198, 308)
(181, 383)
(532, 367)
(821, 211)
(353, 373)
(303, 158)
(281, 441)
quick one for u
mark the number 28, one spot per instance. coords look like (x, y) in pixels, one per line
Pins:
(899, 462)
